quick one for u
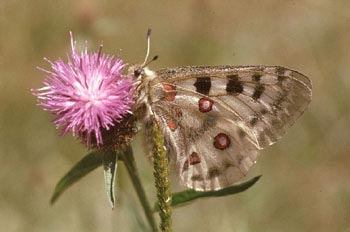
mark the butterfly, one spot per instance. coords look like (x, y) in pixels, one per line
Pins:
(215, 119)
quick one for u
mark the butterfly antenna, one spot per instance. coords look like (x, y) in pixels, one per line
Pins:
(148, 46)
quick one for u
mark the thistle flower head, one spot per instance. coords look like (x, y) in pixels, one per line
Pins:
(87, 94)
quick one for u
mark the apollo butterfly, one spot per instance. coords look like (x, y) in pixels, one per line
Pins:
(215, 119)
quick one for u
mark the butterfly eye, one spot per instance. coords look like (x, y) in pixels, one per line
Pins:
(137, 72)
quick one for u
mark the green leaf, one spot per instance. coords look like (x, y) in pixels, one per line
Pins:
(109, 169)
(80, 169)
(189, 195)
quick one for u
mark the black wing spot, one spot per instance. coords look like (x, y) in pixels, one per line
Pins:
(278, 102)
(241, 133)
(280, 79)
(214, 172)
(264, 111)
(256, 77)
(234, 86)
(254, 121)
(203, 85)
(280, 71)
(280, 74)
(258, 91)
(197, 178)
(228, 164)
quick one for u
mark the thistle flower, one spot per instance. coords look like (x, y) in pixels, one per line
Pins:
(88, 94)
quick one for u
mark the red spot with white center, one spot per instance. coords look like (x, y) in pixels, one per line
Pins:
(172, 124)
(221, 141)
(205, 105)
(170, 91)
(195, 158)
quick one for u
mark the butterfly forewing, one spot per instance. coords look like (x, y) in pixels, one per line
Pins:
(266, 98)
(215, 118)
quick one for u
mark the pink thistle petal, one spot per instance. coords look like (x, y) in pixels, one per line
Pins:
(87, 94)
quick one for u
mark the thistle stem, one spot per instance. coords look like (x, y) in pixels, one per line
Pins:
(161, 175)
(129, 161)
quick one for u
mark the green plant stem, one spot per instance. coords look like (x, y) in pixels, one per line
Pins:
(161, 174)
(129, 161)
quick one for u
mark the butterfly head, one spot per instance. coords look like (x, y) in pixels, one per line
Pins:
(139, 70)
(136, 71)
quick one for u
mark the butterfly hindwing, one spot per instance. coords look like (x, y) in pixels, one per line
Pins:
(210, 151)
(216, 118)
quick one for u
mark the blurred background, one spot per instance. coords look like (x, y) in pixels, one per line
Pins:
(305, 184)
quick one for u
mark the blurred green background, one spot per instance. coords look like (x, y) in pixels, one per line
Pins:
(305, 184)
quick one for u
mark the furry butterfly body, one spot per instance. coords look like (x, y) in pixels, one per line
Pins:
(216, 118)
